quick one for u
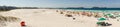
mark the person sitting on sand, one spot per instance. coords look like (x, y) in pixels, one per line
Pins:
(57, 10)
(68, 15)
(61, 13)
(89, 14)
(96, 15)
(83, 13)
(118, 18)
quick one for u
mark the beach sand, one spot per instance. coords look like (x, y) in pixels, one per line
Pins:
(51, 18)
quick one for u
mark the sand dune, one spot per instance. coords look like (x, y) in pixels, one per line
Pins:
(7, 19)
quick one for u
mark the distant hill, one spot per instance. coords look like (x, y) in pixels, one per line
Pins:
(7, 8)
(94, 8)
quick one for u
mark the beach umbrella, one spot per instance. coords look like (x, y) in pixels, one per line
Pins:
(110, 14)
(102, 19)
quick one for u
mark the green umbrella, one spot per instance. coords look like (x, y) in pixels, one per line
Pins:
(102, 19)
(98, 22)
(108, 15)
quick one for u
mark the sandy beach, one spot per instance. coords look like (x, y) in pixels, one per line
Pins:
(54, 18)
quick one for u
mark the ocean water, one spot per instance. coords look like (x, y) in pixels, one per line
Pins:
(104, 11)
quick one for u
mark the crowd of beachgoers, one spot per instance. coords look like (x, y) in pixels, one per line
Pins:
(101, 17)
(90, 14)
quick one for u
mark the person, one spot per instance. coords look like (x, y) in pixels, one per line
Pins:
(118, 18)
(68, 15)
(22, 24)
(61, 13)
(73, 18)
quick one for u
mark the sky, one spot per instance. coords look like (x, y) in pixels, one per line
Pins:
(61, 3)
